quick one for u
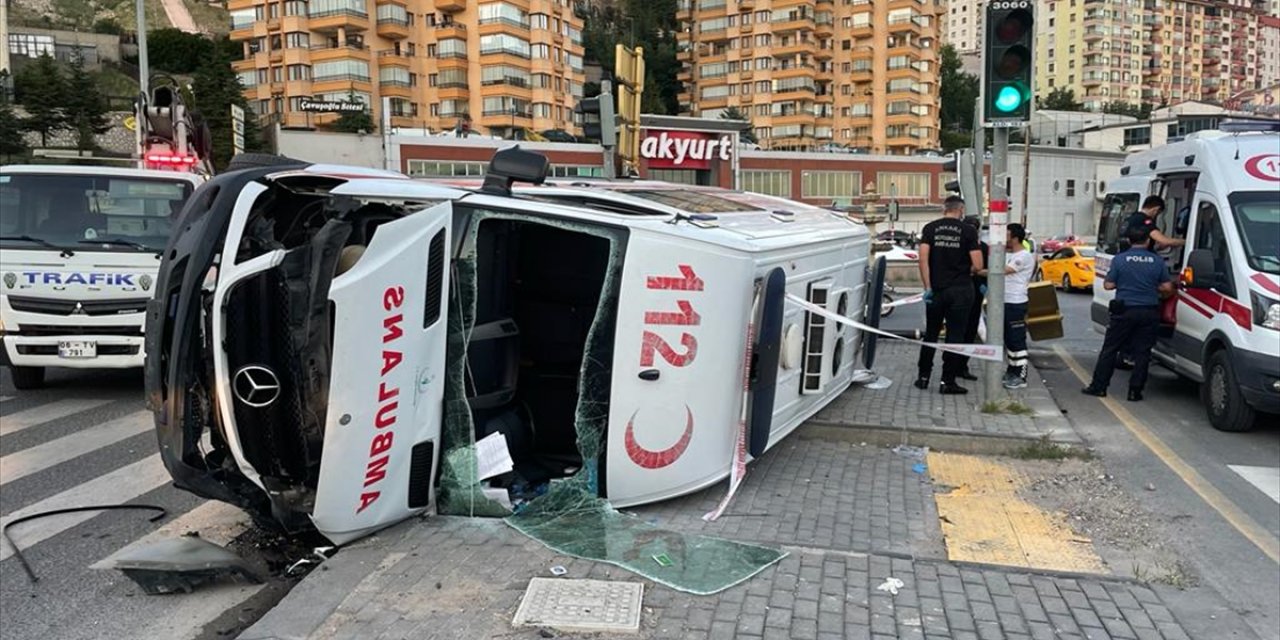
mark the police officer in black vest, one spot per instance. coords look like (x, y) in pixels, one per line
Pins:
(1140, 279)
(949, 256)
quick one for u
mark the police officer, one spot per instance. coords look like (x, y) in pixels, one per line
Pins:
(1145, 219)
(1139, 278)
(949, 256)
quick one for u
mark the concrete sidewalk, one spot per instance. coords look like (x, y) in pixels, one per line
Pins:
(850, 513)
(851, 517)
(903, 413)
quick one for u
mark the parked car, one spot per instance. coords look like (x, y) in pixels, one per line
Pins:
(896, 236)
(900, 254)
(1058, 242)
(1069, 268)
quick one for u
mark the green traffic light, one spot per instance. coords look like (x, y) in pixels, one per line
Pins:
(1008, 99)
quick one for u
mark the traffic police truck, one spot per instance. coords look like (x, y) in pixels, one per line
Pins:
(79, 251)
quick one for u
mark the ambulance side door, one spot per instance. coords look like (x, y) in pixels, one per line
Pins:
(1201, 310)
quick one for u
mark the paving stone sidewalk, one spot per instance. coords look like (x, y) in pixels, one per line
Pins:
(904, 407)
(826, 503)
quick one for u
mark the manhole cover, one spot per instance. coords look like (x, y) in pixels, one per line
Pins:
(581, 605)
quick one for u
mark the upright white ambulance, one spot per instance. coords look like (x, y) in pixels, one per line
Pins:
(1222, 194)
(79, 251)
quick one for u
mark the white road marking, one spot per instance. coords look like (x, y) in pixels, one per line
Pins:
(54, 452)
(217, 522)
(35, 416)
(119, 486)
(188, 614)
(5, 398)
(1266, 479)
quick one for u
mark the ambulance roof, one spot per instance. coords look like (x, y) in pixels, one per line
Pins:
(1237, 162)
(736, 219)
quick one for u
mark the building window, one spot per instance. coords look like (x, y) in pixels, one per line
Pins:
(393, 76)
(495, 12)
(297, 40)
(503, 43)
(576, 170)
(903, 185)
(322, 8)
(1071, 188)
(435, 169)
(503, 74)
(830, 184)
(680, 176)
(1137, 135)
(773, 183)
(31, 45)
(348, 69)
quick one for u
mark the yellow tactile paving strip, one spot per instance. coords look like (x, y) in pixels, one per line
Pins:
(984, 520)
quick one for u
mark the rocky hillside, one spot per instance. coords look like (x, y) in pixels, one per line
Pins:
(113, 15)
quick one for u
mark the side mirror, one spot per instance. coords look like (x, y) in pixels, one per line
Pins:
(1199, 272)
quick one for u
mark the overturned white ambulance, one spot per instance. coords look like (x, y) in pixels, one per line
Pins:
(323, 338)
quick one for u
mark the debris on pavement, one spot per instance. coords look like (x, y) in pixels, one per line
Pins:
(908, 451)
(317, 556)
(891, 585)
(181, 564)
(558, 570)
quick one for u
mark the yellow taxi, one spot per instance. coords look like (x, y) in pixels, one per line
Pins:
(1069, 268)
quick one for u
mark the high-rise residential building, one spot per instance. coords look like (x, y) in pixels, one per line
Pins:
(1150, 51)
(812, 73)
(499, 66)
(965, 20)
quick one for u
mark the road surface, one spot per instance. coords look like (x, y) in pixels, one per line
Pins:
(87, 440)
(1216, 494)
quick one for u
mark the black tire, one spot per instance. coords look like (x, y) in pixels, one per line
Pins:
(886, 311)
(1066, 283)
(253, 160)
(1221, 396)
(27, 378)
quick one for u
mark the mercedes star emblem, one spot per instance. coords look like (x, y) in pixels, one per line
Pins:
(256, 386)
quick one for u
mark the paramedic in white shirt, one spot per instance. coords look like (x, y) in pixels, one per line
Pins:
(1019, 265)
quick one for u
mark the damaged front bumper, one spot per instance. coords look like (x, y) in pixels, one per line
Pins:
(248, 318)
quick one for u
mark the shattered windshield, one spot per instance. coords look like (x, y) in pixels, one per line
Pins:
(88, 212)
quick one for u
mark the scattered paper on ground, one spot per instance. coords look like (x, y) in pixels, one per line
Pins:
(984, 519)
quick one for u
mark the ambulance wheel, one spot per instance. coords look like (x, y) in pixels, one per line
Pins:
(1066, 283)
(1222, 398)
(27, 378)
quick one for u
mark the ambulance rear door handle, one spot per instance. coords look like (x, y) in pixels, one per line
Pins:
(649, 374)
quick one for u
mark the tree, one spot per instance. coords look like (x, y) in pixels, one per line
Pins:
(12, 143)
(215, 88)
(86, 110)
(642, 23)
(176, 51)
(958, 93)
(108, 26)
(1060, 99)
(747, 134)
(41, 89)
(354, 121)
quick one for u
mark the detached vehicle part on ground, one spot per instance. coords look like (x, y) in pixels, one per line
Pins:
(327, 344)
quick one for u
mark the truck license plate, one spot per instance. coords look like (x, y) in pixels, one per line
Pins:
(77, 349)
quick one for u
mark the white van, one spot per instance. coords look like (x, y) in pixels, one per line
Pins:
(1222, 194)
(343, 337)
(79, 251)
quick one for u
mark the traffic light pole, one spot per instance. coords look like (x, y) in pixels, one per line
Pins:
(999, 218)
(608, 144)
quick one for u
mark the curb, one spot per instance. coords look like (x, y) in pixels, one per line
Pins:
(955, 441)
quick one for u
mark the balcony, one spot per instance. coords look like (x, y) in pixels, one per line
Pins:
(1093, 34)
(824, 26)
(326, 21)
(393, 28)
(795, 71)
(794, 118)
(910, 25)
(824, 53)
(395, 88)
(391, 57)
(792, 48)
(746, 4)
(450, 29)
(451, 6)
(684, 53)
(335, 51)
(792, 22)
(746, 28)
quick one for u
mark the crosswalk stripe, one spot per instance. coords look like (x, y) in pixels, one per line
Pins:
(217, 522)
(119, 486)
(187, 617)
(28, 418)
(1266, 479)
(38, 458)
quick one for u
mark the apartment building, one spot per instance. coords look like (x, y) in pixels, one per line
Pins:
(965, 22)
(497, 66)
(1152, 51)
(816, 73)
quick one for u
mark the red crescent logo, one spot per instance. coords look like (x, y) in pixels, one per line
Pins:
(657, 459)
(1269, 171)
